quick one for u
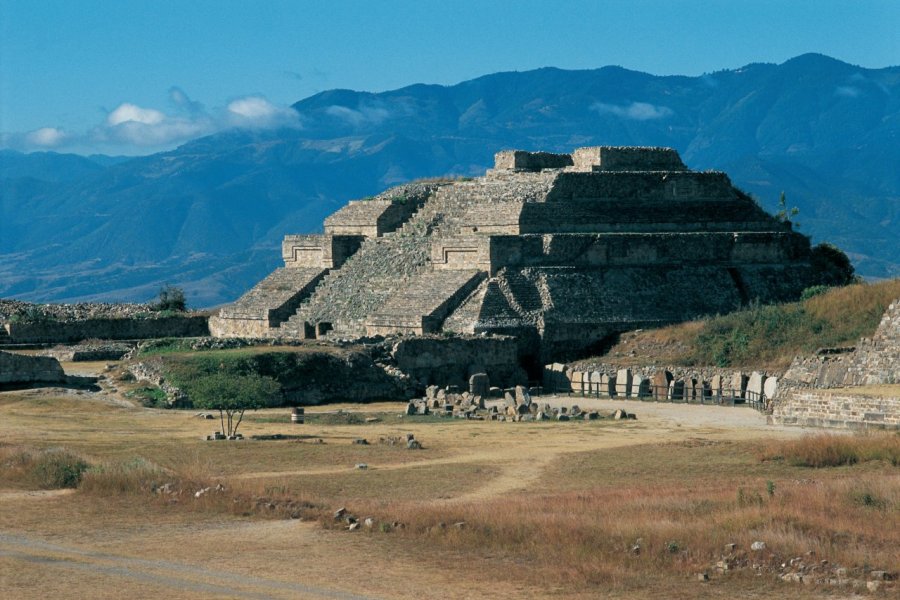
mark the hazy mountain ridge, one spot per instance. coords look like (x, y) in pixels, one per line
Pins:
(209, 215)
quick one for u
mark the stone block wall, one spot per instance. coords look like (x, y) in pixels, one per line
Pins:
(384, 213)
(841, 409)
(611, 158)
(451, 361)
(18, 369)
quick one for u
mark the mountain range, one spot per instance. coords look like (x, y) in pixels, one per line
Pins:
(209, 215)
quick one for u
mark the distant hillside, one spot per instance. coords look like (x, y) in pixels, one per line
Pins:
(209, 215)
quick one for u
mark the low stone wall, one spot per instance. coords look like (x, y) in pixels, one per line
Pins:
(841, 409)
(89, 352)
(107, 329)
(18, 369)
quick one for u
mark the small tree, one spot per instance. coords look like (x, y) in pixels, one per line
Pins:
(231, 395)
(785, 214)
(171, 298)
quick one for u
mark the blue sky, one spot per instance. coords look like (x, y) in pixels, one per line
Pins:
(135, 76)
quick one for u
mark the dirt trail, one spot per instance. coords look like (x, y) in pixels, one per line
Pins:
(177, 576)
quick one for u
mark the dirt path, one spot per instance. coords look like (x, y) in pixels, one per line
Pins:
(177, 576)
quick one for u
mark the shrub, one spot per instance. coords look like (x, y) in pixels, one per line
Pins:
(53, 468)
(171, 298)
(813, 291)
(831, 265)
(150, 397)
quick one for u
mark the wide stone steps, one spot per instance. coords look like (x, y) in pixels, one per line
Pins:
(348, 295)
(387, 267)
(276, 296)
(424, 303)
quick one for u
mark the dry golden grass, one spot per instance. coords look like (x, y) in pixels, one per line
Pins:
(551, 510)
(830, 450)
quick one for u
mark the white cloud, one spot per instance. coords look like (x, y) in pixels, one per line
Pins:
(131, 113)
(256, 111)
(636, 111)
(46, 137)
(130, 128)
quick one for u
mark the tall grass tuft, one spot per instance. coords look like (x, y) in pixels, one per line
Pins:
(135, 476)
(831, 450)
(52, 468)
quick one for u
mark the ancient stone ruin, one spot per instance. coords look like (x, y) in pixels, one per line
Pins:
(822, 390)
(560, 250)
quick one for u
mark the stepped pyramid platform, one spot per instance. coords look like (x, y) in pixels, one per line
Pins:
(559, 249)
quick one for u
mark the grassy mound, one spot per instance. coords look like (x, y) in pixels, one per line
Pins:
(765, 336)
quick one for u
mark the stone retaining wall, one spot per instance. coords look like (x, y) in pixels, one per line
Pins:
(451, 361)
(841, 409)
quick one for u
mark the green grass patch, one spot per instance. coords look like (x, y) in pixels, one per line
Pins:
(149, 397)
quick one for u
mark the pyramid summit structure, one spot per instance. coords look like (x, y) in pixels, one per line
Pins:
(560, 250)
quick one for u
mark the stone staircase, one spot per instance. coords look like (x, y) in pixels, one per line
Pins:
(385, 267)
(423, 304)
(276, 297)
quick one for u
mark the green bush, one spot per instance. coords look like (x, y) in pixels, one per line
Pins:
(150, 397)
(831, 265)
(57, 468)
(812, 292)
(171, 298)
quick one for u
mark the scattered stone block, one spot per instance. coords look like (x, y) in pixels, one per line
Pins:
(522, 395)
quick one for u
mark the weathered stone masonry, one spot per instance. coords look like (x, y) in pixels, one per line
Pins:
(559, 250)
(807, 396)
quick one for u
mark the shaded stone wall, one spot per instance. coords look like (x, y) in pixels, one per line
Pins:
(107, 329)
(451, 361)
(20, 369)
(530, 161)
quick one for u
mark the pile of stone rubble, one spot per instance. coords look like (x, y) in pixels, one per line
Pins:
(27, 311)
(513, 405)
